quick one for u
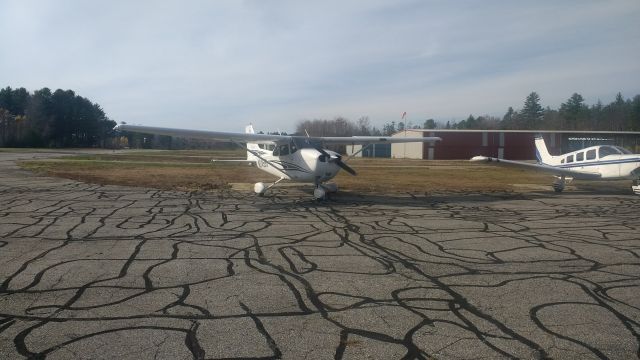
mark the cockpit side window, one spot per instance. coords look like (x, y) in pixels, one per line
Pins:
(591, 154)
(570, 159)
(282, 150)
(266, 146)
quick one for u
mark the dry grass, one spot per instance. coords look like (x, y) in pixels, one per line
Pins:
(394, 176)
(180, 176)
(192, 170)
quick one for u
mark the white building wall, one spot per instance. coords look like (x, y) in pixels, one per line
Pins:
(408, 150)
(352, 149)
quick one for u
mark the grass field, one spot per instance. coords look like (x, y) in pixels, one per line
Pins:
(193, 170)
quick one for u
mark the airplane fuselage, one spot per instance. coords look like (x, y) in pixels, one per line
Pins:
(602, 162)
(303, 165)
(609, 161)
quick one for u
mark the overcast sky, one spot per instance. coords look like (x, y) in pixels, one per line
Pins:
(218, 65)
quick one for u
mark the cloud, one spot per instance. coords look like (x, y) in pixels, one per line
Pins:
(218, 65)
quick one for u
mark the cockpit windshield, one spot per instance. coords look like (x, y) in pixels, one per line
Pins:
(623, 150)
(305, 142)
(612, 150)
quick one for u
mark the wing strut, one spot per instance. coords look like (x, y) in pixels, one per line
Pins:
(357, 152)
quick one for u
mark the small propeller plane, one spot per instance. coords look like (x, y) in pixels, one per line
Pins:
(603, 162)
(297, 158)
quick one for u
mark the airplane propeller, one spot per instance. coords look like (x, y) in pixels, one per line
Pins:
(345, 167)
(337, 160)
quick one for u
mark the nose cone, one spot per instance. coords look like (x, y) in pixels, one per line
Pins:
(336, 160)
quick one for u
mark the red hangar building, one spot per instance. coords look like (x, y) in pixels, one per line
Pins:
(505, 144)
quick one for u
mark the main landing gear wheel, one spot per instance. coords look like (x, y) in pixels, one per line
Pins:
(636, 187)
(559, 184)
(260, 188)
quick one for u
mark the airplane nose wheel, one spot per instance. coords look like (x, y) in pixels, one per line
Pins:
(322, 191)
(319, 193)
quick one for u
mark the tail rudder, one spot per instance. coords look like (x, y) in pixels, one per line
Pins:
(251, 146)
(542, 154)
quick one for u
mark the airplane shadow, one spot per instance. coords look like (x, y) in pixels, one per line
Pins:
(304, 197)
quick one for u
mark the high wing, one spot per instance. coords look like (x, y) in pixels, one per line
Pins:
(365, 140)
(204, 134)
(576, 174)
(264, 138)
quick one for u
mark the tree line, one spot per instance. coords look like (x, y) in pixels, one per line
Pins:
(51, 119)
(619, 115)
(64, 119)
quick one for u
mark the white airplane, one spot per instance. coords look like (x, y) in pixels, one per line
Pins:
(603, 162)
(297, 158)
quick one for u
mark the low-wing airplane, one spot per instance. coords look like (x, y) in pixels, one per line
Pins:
(603, 162)
(296, 158)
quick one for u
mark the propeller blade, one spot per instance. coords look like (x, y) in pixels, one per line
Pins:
(321, 151)
(346, 167)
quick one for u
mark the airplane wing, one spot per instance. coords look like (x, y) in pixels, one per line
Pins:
(233, 161)
(366, 140)
(204, 134)
(576, 174)
(264, 138)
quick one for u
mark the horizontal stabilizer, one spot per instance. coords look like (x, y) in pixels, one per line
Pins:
(233, 161)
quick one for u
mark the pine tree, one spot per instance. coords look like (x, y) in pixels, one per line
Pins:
(574, 112)
(532, 112)
(508, 119)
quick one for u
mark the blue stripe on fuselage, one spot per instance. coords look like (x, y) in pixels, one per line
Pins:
(596, 163)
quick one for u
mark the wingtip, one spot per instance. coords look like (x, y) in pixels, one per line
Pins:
(479, 158)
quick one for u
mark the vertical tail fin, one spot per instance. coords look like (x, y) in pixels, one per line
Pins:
(251, 146)
(541, 151)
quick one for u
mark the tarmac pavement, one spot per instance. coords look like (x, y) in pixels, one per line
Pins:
(102, 272)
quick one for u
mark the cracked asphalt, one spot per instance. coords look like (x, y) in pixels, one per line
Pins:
(101, 272)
